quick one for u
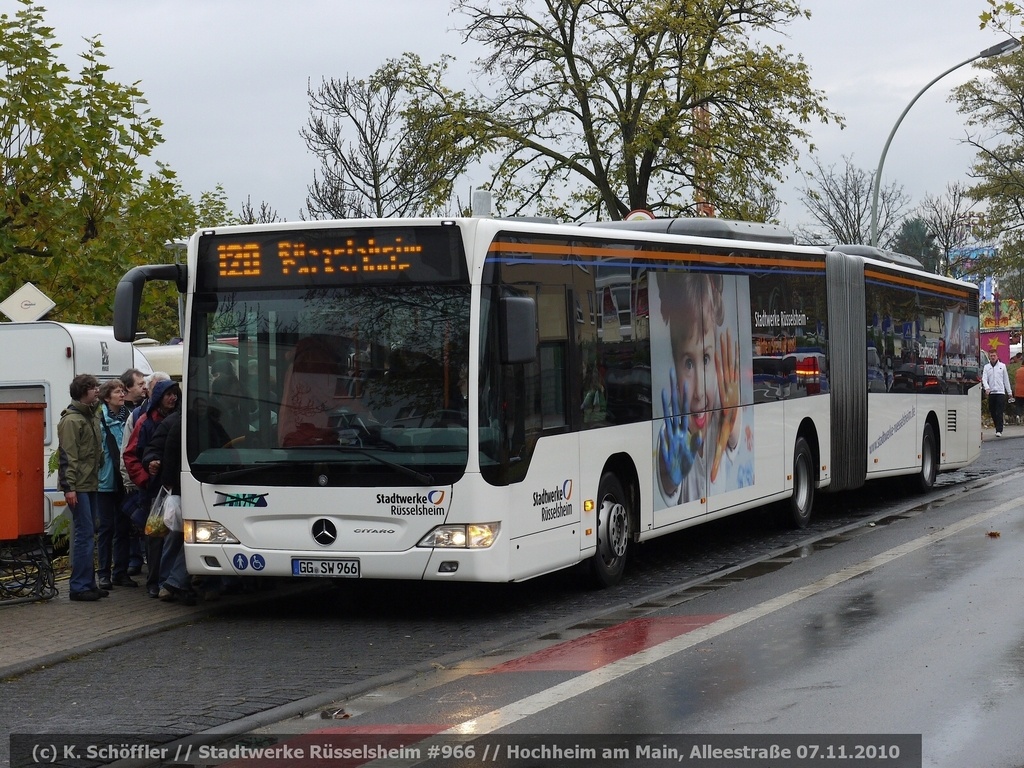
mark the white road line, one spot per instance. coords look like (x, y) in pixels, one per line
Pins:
(559, 694)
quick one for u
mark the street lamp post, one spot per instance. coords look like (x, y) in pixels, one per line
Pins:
(1007, 46)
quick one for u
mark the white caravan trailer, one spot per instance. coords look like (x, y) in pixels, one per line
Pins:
(162, 357)
(39, 360)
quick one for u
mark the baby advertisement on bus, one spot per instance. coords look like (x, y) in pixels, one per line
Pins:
(701, 365)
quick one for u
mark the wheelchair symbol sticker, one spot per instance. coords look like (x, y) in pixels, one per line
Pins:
(257, 562)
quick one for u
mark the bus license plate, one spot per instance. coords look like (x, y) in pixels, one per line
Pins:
(344, 569)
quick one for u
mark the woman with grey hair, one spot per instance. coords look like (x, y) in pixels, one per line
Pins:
(114, 532)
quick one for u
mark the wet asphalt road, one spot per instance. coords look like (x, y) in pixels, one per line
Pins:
(264, 660)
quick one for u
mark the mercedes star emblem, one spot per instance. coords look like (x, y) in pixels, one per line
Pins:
(324, 532)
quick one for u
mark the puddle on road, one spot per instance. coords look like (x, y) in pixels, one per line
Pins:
(744, 572)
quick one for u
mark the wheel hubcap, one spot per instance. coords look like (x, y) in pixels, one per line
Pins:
(614, 530)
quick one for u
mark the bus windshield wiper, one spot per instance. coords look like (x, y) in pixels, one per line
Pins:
(230, 475)
(424, 478)
(236, 474)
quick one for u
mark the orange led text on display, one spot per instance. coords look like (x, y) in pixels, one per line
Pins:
(297, 258)
(239, 260)
(353, 256)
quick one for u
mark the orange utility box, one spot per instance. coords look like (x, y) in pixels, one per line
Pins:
(21, 470)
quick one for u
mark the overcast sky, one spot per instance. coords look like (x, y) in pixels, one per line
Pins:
(228, 78)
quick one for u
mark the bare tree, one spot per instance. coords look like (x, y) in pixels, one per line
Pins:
(329, 198)
(950, 222)
(265, 214)
(376, 159)
(352, 178)
(840, 203)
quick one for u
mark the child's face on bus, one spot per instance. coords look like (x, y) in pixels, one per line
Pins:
(694, 351)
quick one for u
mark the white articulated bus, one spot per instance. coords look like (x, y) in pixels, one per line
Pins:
(490, 400)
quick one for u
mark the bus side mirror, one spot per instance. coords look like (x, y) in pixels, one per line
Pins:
(127, 298)
(128, 294)
(517, 320)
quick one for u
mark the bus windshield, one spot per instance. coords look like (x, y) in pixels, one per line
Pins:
(342, 385)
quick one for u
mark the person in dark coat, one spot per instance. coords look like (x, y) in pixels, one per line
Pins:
(164, 448)
(164, 399)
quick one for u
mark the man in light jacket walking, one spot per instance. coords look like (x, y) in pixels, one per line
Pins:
(995, 380)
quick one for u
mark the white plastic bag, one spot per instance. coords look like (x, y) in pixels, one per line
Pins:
(155, 525)
(172, 513)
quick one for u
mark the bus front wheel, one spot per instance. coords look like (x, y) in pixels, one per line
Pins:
(801, 503)
(614, 531)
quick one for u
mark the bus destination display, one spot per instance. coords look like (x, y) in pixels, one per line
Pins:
(335, 257)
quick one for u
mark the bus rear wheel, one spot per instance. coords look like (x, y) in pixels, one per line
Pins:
(614, 532)
(929, 459)
(801, 503)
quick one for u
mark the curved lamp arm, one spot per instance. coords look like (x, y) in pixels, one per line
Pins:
(1007, 46)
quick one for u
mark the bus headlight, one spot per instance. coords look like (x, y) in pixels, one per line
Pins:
(207, 532)
(471, 536)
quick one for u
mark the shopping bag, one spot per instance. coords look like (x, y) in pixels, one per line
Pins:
(155, 525)
(172, 513)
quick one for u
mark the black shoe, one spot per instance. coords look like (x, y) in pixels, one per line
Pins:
(153, 591)
(89, 595)
(102, 592)
(105, 584)
(170, 594)
(124, 581)
(134, 570)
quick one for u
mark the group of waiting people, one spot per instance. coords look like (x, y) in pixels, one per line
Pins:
(118, 441)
